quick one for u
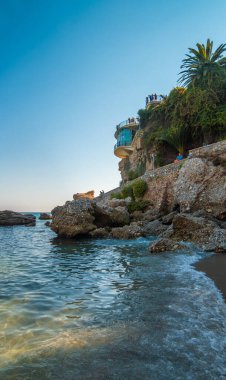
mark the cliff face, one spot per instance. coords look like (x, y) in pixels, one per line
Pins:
(201, 184)
(198, 183)
(144, 158)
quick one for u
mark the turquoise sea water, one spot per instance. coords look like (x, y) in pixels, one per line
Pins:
(105, 309)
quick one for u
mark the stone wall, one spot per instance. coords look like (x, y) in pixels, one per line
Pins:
(212, 149)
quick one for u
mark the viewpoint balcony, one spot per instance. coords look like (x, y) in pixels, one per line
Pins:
(123, 149)
(124, 134)
(131, 123)
(153, 99)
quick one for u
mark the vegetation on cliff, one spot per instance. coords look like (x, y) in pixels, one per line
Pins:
(195, 114)
(135, 191)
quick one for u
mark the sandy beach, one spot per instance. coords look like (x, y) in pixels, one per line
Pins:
(215, 267)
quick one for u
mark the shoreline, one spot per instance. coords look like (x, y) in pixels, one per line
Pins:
(215, 268)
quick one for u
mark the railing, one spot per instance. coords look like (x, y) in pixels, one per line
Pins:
(154, 98)
(131, 120)
(122, 143)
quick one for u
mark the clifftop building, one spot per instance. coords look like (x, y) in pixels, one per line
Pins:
(125, 132)
(129, 145)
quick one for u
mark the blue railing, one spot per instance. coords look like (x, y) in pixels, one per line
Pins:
(131, 120)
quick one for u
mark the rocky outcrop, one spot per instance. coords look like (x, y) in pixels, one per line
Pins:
(88, 195)
(11, 218)
(75, 218)
(201, 185)
(82, 216)
(45, 216)
(203, 232)
(194, 186)
(165, 245)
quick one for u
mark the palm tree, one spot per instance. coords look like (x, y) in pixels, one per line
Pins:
(203, 66)
(175, 136)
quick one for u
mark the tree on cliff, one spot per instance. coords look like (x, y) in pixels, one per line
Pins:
(203, 66)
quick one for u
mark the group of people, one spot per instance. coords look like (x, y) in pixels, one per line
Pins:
(154, 97)
(133, 120)
(151, 97)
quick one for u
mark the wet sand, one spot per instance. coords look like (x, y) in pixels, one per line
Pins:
(215, 267)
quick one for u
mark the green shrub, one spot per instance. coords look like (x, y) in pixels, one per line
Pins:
(139, 205)
(127, 191)
(139, 188)
(132, 174)
(116, 196)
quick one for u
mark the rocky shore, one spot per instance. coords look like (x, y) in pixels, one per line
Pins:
(186, 202)
(11, 218)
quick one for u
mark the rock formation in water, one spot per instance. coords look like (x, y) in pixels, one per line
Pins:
(82, 216)
(11, 218)
(187, 202)
(45, 216)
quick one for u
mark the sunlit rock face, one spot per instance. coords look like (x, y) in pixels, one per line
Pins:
(82, 216)
(201, 185)
(11, 218)
(88, 195)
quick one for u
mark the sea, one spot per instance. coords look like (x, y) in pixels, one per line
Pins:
(105, 309)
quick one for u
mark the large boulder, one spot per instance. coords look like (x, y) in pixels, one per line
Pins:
(11, 218)
(201, 231)
(75, 218)
(82, 216)
(201, 185)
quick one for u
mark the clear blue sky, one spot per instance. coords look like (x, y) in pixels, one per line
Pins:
(70, 70)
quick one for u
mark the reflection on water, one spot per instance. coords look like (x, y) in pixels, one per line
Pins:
(105, 310)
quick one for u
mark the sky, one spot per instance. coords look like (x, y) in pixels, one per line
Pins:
(70, 70)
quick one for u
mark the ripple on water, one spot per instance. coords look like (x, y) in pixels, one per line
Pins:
(105, 309)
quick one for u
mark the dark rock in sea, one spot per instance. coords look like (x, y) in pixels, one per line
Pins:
(164, 245)
(201, 231)
(48, 223)
(45, 216)
(11, 218)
